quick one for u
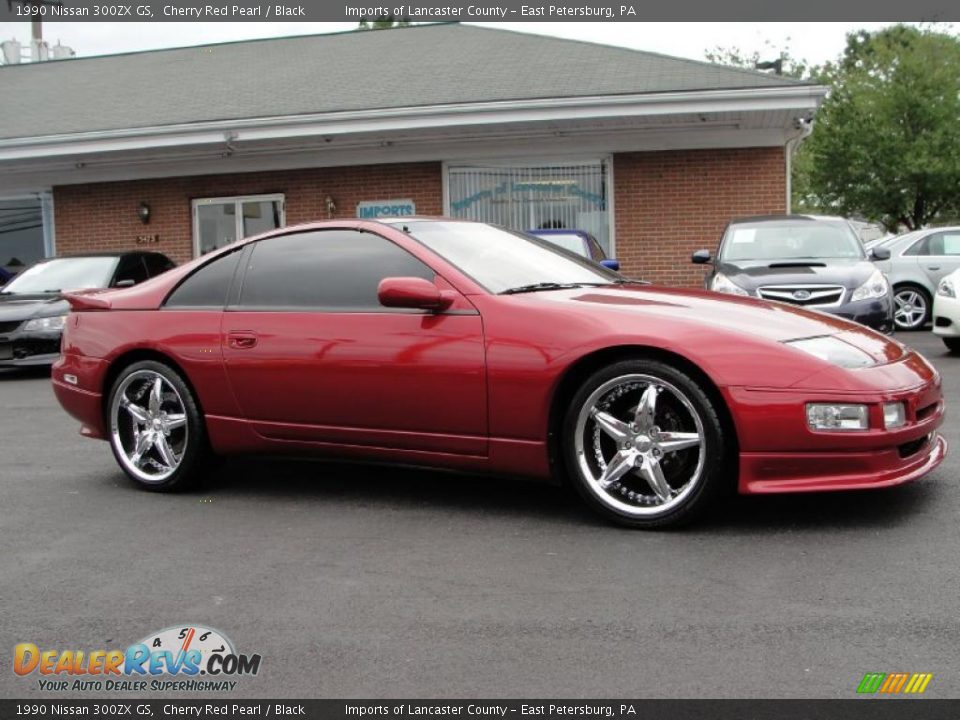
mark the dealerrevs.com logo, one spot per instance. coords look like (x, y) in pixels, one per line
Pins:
(180, 658)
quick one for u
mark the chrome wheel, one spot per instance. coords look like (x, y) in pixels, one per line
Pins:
(640, 445)
(911, 309)
(148, 426)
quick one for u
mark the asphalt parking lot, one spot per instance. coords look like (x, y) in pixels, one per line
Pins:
(358, 581)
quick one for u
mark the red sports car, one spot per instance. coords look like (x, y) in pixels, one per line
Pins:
(462, 345)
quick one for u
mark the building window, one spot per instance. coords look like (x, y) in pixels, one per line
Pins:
(21, 234)
(220, 221)
(526, 197)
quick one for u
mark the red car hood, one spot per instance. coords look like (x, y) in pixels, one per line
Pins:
(769, 320)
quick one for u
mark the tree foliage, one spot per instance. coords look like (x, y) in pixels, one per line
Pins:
(389, 22)
(886, 144)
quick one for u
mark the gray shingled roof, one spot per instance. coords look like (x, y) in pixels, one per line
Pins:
(374, 69)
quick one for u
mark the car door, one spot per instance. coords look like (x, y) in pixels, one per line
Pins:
(939, 254)
(311, 354)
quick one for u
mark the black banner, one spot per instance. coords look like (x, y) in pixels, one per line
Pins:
(466, 10)
(854, 709)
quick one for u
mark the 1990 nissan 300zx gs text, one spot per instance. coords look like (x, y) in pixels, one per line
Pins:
(462, 345)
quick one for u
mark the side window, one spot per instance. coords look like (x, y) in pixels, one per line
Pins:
(325, 270)
(208, 286)
(943, 243)
(921, 247)
(157, 264)
(131, 270)
(596, 252)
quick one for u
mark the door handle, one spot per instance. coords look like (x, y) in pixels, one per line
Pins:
(933, 267)
(242, 340)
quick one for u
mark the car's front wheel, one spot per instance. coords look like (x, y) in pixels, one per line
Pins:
(953, 344)
(644, 444)
(911, 307)
(156, 430)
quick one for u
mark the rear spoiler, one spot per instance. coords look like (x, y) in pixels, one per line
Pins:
(86, 300)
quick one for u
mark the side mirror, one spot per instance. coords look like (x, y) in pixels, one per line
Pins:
(414, 293)
(701, 257)
(880, 253)
(611, 264)
(125, 283)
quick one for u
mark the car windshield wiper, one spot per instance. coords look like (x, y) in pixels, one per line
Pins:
(537, 287)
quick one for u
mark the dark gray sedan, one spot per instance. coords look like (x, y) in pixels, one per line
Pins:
(818, 263)
(33, 311)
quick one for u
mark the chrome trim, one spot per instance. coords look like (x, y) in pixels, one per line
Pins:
(786, 293)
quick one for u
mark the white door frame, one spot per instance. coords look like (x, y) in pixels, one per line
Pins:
(237, 200)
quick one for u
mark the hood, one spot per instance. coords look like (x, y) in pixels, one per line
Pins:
(752, 274)
(17, 308)
(659, 306)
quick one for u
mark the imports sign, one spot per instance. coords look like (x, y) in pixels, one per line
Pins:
(369, 209)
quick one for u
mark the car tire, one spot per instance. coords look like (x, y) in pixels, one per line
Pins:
(644, 446)
(953, 344)
(156, 429)
(912, 306)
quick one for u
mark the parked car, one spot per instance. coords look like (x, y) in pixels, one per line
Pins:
(582, 243)
(814, 262)
(918, 261)
(465, 346)
(32, 308)
(946, 311)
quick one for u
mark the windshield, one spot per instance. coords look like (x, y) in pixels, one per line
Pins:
(64, 274)
(500, 260)
(573, 243)
(790, 240)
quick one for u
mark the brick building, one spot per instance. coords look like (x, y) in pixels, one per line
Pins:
(184, 150)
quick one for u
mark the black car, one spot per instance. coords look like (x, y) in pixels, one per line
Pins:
(33, 311)
(817, 263)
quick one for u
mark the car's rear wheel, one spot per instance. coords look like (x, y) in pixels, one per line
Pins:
(953, 344)
(911, 307)
(644, 445)
(156, 430)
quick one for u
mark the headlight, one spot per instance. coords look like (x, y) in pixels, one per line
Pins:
(721, 283)
(876, 286)
(894, 415)
(46, 324)
(823, 416)
(946, 288)
(834, 351)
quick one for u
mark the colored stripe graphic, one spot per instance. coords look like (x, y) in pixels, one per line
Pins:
(894, 683)
(871, 682)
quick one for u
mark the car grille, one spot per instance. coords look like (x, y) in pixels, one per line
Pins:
(6, 327)
(806, 295)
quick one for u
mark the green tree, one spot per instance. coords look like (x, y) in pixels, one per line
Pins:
(389, 22)
(886, 144)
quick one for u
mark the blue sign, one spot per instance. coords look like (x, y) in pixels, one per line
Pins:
(369, 209)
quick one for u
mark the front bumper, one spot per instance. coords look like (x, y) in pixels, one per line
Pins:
(779, 453)
(946, 316)
(29, 349)
(876, 313)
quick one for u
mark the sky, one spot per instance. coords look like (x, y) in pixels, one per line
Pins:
(814, 42)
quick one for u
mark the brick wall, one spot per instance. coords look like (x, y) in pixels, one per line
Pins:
(103, 216)
(670, 203)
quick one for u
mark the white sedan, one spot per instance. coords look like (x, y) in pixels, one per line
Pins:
(946, 311)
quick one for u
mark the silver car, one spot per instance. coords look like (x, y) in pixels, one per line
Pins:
(918, 261)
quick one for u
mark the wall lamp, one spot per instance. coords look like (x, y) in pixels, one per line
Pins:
(331, 206)
(143, 212)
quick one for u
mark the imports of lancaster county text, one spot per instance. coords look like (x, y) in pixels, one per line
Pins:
(448, 12)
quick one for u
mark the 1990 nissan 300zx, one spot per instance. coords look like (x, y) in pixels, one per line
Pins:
(462, 345)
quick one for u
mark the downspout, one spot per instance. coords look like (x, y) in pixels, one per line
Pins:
(804, 128)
